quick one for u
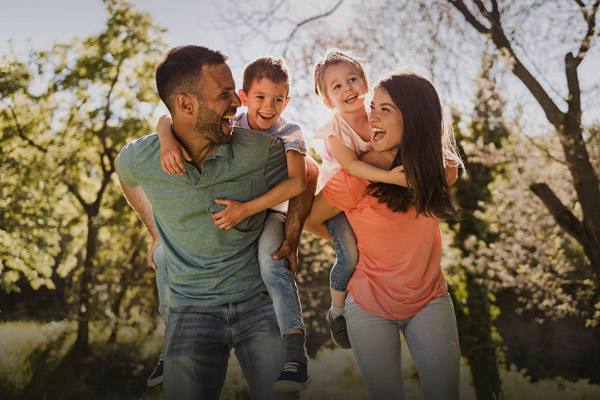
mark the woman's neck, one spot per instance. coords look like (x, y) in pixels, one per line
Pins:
(383, 159)
(359, 121)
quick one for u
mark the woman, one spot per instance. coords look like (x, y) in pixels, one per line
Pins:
(398, 284)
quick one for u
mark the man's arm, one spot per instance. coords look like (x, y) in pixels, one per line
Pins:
(298, 210)
(140, 203)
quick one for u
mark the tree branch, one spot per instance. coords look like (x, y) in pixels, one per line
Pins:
(22, 133)
(471, 19)
(306, 21)
(553, 113)
(563, 216)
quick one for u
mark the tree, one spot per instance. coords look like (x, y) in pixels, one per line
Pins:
(488, 19)
(96, 94)
(473, 299)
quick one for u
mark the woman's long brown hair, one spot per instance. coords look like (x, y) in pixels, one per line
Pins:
(426, 146)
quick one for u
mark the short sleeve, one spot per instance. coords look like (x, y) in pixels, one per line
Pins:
(344, 191)
(123, 165)
(293, 139)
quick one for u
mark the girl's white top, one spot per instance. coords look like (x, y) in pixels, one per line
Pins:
(339, 128)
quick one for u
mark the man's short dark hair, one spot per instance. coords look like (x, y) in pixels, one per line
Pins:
(180, 68)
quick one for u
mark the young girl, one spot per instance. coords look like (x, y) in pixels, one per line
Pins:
(341, 81)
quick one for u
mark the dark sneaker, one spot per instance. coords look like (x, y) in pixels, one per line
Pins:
(339, 331)
(293, 377)
(156, 378)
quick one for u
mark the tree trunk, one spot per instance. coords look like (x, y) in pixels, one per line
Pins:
(82, 343)
(477, 345)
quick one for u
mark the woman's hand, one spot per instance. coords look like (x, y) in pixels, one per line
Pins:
(234, 213)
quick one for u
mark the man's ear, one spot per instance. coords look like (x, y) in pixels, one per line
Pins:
(185, 104)
(243, 96)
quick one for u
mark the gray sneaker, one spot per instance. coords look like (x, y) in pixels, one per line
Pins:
(338, 331)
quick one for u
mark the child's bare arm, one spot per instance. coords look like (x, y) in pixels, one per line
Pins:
(355, 167)
(171, 150)
(236, 211)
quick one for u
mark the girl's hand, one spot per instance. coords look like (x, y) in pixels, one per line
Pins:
(171, 153)
(234, 213)
(398, 176)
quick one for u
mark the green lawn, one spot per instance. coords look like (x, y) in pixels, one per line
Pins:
(119, 371)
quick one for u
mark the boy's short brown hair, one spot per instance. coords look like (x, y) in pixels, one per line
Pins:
(271, 68)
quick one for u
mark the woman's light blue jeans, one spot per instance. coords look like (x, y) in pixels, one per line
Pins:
(346, 252)
(278, 279)
(432, 338)
(199, 340)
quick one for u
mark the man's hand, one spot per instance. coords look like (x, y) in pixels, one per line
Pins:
(150, 257)
(288, 250)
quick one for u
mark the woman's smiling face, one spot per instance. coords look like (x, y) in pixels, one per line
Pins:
(386, 122)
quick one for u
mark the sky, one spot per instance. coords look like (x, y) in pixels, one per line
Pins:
(37, 24)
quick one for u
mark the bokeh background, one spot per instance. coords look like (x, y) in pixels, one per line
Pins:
(520, 80)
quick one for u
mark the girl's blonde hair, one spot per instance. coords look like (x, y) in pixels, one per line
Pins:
(334, 56)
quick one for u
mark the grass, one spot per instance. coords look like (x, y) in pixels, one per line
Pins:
(35, 362)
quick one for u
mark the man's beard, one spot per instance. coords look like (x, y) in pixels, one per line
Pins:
(209, 124)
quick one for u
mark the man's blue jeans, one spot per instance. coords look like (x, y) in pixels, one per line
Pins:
(278, 279)
(198, 344)
(432, 338)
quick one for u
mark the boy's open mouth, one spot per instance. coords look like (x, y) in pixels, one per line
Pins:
(266, 116)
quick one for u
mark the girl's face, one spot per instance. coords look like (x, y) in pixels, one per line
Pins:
(343, 87)
(386, 122)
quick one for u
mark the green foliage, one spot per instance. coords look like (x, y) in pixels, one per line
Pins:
(63, 219)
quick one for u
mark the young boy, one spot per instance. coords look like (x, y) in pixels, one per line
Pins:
(265, 93)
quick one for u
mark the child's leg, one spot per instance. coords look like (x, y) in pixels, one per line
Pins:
(346, 258)
(162, 282)
(278, 279)
(281, 285)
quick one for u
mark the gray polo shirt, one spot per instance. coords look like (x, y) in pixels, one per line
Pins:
(207, 266)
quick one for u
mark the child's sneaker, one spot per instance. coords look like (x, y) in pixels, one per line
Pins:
(293, 378)
(339, 331)
(156, 378)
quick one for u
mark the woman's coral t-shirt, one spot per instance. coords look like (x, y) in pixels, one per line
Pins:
(398, 270)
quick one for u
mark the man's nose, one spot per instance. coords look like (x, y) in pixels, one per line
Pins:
(236, 102)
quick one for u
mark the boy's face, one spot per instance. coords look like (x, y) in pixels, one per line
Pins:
(266, 101)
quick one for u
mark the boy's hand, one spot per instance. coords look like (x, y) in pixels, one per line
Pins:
(234, 213)
(398, 176)
(171, 158)
(288, 250)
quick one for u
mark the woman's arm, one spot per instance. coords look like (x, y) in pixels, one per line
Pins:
(320, 212)
(355, 167)
(235, 211)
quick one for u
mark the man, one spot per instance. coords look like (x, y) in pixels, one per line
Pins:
(218, 300)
